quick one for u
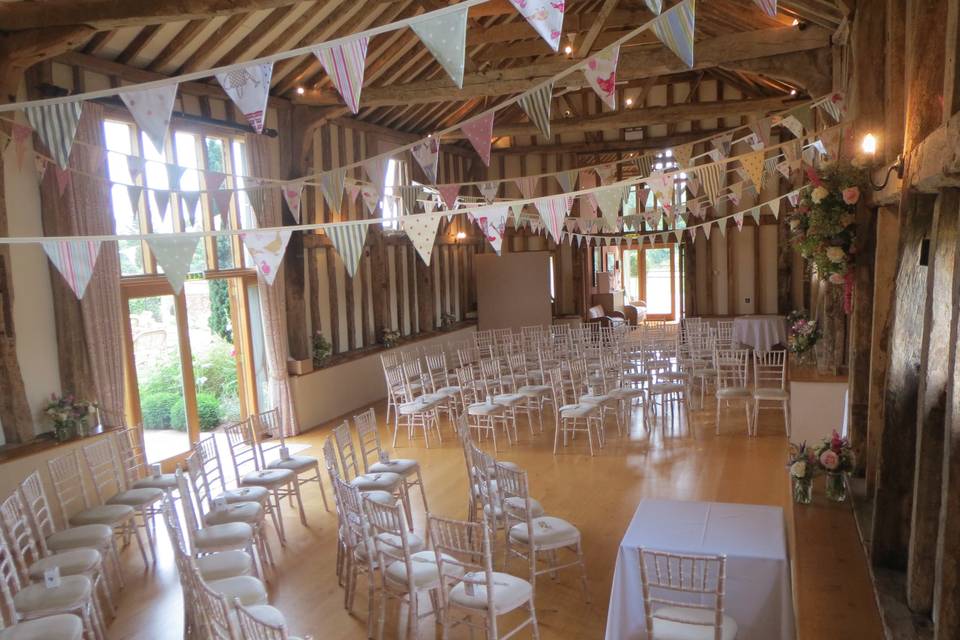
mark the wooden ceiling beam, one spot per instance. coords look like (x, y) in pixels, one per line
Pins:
(727, 51)
(21, 50)
(250, 44)
(537, 47)
(198, 60)
(586, 45)
(176, 44)
(519, 29)
(139, 42)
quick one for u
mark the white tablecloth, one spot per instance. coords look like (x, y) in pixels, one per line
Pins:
(760, 332)
(758, 573)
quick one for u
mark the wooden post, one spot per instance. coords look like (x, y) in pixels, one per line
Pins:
(381, 283)
(861, 328)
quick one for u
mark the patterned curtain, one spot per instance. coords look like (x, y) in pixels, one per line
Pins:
(272, 297)
(89, 332)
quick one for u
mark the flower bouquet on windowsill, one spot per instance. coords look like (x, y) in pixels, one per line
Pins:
(803, 467)
(389, 339)
(70, 416)
(836, 458)
(803, 334)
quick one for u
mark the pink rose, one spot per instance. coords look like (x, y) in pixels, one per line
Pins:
(829, 460)
(851, 195)
(837, 278)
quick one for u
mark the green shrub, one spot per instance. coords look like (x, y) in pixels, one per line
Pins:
(155, 408)
(208, 410)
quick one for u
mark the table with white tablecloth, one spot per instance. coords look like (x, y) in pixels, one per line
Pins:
(753, 538)
(760, 332)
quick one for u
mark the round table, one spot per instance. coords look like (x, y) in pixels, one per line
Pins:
(761, 333)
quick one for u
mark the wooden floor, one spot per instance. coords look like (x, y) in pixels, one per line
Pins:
(599, 495)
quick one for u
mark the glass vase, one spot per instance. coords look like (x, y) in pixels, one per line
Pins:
(836, 487)
(63, 431)
(803, 490)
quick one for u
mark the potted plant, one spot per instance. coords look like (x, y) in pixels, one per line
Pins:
(836, 458)
(802, 466)
(70, 416)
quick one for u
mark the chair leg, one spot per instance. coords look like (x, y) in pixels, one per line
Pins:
(296, 491)
(278, 517)
(786, 416)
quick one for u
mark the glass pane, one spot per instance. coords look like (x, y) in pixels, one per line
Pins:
(156, 176)
(248, 218)
(657, 262)
(631, 276)
(156, 352)
(259, 350)
(216, 162)
(214, 357)
(390, 205)
(185, 147)
(117, 135)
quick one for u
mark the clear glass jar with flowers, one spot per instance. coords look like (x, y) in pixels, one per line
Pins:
(802, 335)
(802, 466)
(836, 458)
(823, 226)
(70, 416)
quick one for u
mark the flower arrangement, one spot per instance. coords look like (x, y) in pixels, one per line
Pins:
(69, 415)
(321, 349)
(836, 458)
(802, 465)
(823, 225)
(803, 332)
(390, 338)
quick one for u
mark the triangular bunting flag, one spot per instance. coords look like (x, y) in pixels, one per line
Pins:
(527, 185)
(536, 104)
(567, 180)
(267, 248)
(736, 192)
(134, 166)
(174, 173)
(675, 29)
(600, 70)
(833, 106)
(607, 173)
(63, 179)
(56, 124)
(493, 223)
(609, 201)
(445, 36)
(738, 218)
(696, 208)
(408, 198)
(656, 6)
(489, 190)
(344, 64)
(662, 186)
(553, 211)
(588, 180)
(753, 164)
(710, 177)
(448, 194)
(755, 214)
(151, 108)
(213, 180)
(331, 185)
(706, 230)
(221, 202)
(774, 206)
(545, 16)
(376, 169)
(190, 200)
(257, 200)
(761, 129)
(174, 253)
(804, 114)
(422, 231)
(722, 225)
(161, 200)
(479, 131)
(371, 197)
(249, 88)
(794, 198)
(348, 240)
(683, 154)
(134, 192)
(693, 184)
(75, 260)
(427, 154)
(292, 194)
(644, 165)
(722, 143)
(793, 125)
(678, 234)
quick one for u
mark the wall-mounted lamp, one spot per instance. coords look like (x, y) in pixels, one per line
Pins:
(461, 235)
(869, 148)
(869, 144)
(628, 102)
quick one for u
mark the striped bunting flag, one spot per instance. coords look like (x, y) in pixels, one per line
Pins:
(174, 252)
(833, 106)
(331, 184)
(536, 104)
(267, 248)
(56, 124)
(769, 7)
(675, 29)
(656, 6)
(527, 185)
(553, 211)
(74, 259)
(644, 165)
(344, 64)
(408, 198)
(710, 176)
(348, 240)
(446, 38)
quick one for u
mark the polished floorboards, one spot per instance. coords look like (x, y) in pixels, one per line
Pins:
(597, 494)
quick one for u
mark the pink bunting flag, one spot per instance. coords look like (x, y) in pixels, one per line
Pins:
(553, 211)
(601, 73)
(479, 132)
(448, 194)
(221, 203)
(493, 224)
(545, 16)
(213, 180)
(738, 218)
(794, 198)
(527, 185)
(267, 249)
(292, 194)
(344, 63)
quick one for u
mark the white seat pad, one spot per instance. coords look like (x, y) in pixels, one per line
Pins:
(246, 494)
(534, 390)
(734, 392)
(71, 562)
(294, 463)
(485, 409)
(514, 506)
(268, 477)
(594, 398)
(426, 574)
(547, 532)
(248, 589)
(578, 410)
(71, 594)
(264, 613)
(414, 541)
(385, 481)
(225, 564)
(91, 535)
(108, 514)
(667, 387)
(771, 394)
(509, 592)
(419, 406)
(669, 630)
(137, 497)
(403, 466)
(61, 627)
(249, 512)
(626, 392)
(230, 534)
(164, 481)
(381, 497)
(508, 399)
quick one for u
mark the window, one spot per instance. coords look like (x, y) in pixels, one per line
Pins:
(390, 206)
(553, 284)
(664, 161)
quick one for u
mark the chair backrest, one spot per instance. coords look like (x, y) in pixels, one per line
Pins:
(369, 437)
(213, 607)
(207, 450)
(462, 551)
(732, 366)
(394, 546)
(198, 482)
(251, 627)
(389, 359)
(133, 461)
(68, 484)
(770, 369)
(9, 575)
(699, 581)
(103, 467)
(19, 533)
(189, 507)
(356, 531)
(467, 380)
(349, 465)
(269, 427)
(437, 366)
(513, 483)
(35, 500)
(555, 380)
(242, 445)
(330, 458)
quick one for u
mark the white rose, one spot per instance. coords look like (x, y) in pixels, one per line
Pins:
(794, 224)
(819, 194)
(836, 254)
(798, 469)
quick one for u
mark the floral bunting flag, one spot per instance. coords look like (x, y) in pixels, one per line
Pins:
(607, 173)
(348, 240)
(422, 231)
(545, 16)
(267, 249)
(753, 165)
(710, 176)
(722, 144)
(376, 170)
(662, 186)
(553, 211)
(75, 260)
(448, 194)
(190, 200)
(738, 218)
(600, 70)
(527, 185)
(489, 190)
(371, 197)
(761, 129)
(567, 180)
(656, 6)
(161, 200)
(151, 109)
(833, 106)
(493, 224)
(344, 64)
(479, 131)
(174, 253)
(56, 125)
(794, 198)
(292, 195)
(536, 104)
(445, 36)
(427, 154)
(769, 7)
(331, 185)
(683, 154)
(609, 201)
(249, 88)
(675, 29)
(793, 125)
